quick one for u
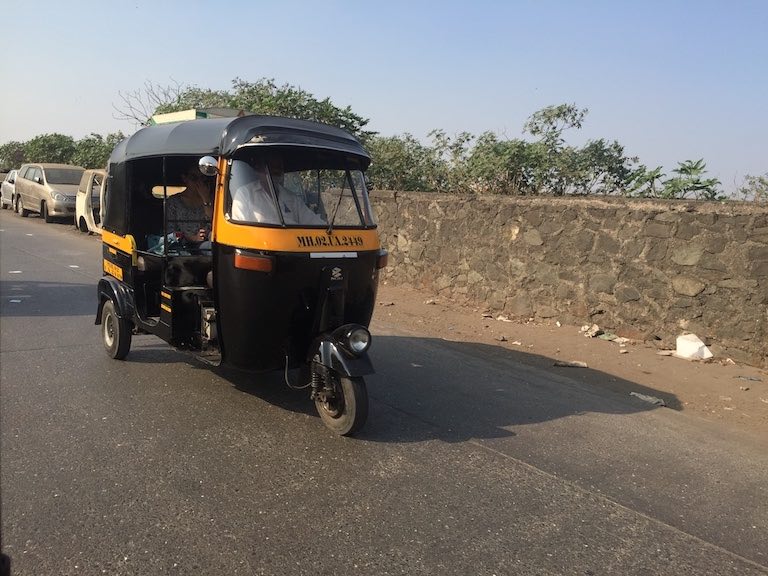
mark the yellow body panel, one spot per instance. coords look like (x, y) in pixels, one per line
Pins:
(295, 239)
(125, 243)
(113, 269)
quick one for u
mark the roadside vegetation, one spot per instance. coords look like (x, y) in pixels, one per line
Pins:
(540, 163)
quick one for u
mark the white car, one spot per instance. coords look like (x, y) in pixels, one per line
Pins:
(89, 203)
(7, 190)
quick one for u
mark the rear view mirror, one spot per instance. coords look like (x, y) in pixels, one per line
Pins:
(208, 166)
(38, 180)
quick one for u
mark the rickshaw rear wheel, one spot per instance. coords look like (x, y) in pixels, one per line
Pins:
(115, 332)
(347, 411)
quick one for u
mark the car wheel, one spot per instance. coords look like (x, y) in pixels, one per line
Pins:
(82, 225)
(20, 210)
(44, 213)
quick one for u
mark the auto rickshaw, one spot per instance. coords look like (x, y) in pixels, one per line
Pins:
(289, 285)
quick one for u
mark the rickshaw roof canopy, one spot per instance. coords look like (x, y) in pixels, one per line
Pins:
(224, 136)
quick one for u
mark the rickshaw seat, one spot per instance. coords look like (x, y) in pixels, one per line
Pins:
(151, 263)
(180, 270)
(187, 270)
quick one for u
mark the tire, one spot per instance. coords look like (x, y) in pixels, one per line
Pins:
(20, 210)
(115, 332)
(82, 226)
(44, 213)
(347, 413)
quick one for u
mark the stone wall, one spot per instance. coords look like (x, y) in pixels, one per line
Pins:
(643, 269)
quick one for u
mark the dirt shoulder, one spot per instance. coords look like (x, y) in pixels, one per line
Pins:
(733, 395)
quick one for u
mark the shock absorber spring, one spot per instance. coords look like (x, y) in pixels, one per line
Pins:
(316, 382)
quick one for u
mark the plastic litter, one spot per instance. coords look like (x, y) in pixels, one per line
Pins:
(650, 399)
(571, 364)
(690, 347)
(591, 331)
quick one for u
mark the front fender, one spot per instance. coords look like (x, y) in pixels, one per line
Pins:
(332, 355)
(111, 289)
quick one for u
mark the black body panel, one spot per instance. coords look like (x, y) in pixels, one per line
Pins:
(266, 315)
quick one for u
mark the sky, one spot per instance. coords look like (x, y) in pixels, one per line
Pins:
(670, 80)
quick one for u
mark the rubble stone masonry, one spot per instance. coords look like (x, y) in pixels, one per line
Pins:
(643, 269)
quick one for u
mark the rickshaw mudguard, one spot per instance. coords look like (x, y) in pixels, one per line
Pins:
(111, 289)
(332, 355)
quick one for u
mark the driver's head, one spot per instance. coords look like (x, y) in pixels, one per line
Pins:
(196, 183)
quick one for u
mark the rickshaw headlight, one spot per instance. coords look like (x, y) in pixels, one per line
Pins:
(358, 340)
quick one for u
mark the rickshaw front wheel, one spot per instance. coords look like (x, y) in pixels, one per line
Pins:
(115, 332)
(346, 412)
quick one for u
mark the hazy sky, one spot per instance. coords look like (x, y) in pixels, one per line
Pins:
(671, 80)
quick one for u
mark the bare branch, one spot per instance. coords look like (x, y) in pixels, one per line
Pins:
(138, 106)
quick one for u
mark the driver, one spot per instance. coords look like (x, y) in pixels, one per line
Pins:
(251, 202)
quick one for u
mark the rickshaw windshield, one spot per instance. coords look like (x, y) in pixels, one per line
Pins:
(292, 190)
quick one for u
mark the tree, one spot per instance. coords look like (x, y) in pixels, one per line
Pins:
(601, 167)
(549, 123)
(503, 166)
(50, 148)
(93, 151)
(689, 180)
(402, 163)
(754, 188)
(260, 97)
(645, 183)
(450, 160)
(12, 155)
(139, 105)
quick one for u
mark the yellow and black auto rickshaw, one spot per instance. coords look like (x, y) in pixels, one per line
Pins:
(284, 271)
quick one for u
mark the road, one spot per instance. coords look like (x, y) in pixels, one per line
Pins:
(471, 462)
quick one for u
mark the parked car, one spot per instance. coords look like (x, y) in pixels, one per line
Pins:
(7, 190)
(48, 189)
(90, 204)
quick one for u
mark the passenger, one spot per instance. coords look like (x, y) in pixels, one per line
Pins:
(190, 212)
(252, 202)
(189, 215)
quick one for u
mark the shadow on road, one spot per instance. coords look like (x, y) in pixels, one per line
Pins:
(428, 388)
(25, 298)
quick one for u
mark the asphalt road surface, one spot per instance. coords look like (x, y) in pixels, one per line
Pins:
(472, 463)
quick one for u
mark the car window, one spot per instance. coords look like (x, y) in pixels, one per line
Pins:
(36, 173)
(25, 173)
(63, 176)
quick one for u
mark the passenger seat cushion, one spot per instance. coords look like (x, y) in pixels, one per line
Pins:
(187, 271)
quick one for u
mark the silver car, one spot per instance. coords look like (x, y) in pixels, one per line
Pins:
(49, 189)
(7, 190)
